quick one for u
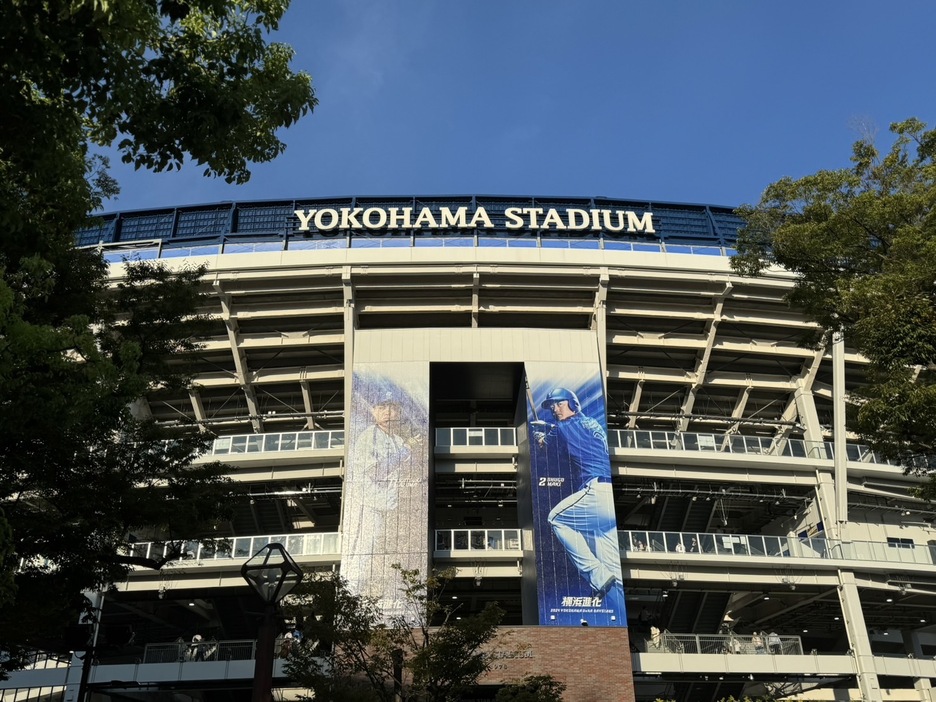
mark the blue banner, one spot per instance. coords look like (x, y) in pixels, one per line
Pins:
(578, 560)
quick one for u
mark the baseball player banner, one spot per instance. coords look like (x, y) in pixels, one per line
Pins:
(386, 495)
(578, 560)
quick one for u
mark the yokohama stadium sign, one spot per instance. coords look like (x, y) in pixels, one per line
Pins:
(517, 219)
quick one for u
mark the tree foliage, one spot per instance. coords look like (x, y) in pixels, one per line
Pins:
(533, 688)
(862, 244)
(428, 653)
(162, 81)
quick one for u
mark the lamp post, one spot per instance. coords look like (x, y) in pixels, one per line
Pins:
(272, 573)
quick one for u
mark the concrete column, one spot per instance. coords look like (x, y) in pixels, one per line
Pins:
(923, 686)
(840, 460)
(857, 632)
(825, 494)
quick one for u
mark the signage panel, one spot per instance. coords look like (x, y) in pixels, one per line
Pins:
(578, 560)
(385, 505)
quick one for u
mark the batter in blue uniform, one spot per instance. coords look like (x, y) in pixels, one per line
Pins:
(579, 446)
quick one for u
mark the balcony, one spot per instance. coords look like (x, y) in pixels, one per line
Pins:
(692, 544)
(734, 644)
(214, 551)
(737, 444)
(478, 541)
(278, 443)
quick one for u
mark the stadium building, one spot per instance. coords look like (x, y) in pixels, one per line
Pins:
(433, 381)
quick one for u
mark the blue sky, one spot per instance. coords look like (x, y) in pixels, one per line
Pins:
(682, 101)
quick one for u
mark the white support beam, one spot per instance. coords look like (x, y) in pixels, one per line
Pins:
(839, 458)
(199, 409)
(857, 632)
(240, 358)
(599, 324)
(702, 361)
(634, 406)
(307, 404)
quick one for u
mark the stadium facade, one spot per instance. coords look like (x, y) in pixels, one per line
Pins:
(433, 381)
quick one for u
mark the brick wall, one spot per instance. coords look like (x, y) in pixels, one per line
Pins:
(593, 662)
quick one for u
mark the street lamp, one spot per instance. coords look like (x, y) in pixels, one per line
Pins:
(272, 573)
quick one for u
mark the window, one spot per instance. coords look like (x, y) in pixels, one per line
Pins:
(899, 543)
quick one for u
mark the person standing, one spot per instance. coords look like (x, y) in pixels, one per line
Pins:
(774, 643)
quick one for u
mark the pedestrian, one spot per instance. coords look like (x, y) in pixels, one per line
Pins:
(198, 648)
(644, 619)
(286, 646)
(773, 642)
(757, 640)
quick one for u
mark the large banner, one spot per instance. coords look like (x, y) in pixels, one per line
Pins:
(386, 494)
(578, 560)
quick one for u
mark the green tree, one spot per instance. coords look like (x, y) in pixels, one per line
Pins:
(355, 652)
(161, 81)
(862, 243)
(533, 688)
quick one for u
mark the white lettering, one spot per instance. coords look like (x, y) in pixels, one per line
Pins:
(349, 217)
(381, 217)
(643, 224)
(304, 219)
(572, 214)
(596, 220)
(607, 221)
(425, 218)
(482, 216)
(514, 220)
(552, 218)
(320, 220)
(401, 218)
(454, 220)
(533, 211)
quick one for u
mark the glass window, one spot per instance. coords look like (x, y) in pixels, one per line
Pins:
(443, 540)
(296, 544)
(321, 439)
(330, 543)
(899, 543)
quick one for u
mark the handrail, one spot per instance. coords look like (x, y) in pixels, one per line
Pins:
(698, 543)
(278, 442)
(738, 444)
(239, 547)
(478, 540)
(475, 436)
(732, 644)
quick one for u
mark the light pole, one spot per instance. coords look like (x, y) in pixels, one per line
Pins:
(272, 573)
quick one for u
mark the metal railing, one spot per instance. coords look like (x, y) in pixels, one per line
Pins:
(181, 651)
(736, 443)
(732, 644)
(151, 252)
(240, 547)
(477, 540)
(475, 436)
(283, 441)
(681, 543)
